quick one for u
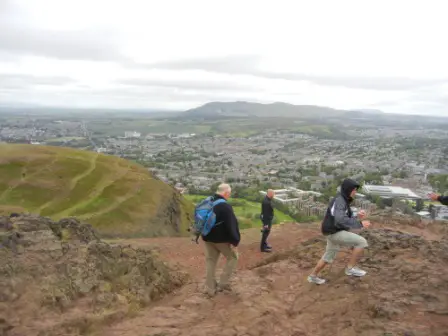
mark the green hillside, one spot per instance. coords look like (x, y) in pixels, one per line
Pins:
(118, 197)
(247, 212)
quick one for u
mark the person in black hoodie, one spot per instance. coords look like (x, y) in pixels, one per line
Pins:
(267, 216)
(222, 239)
(337, 226)
(441, 199)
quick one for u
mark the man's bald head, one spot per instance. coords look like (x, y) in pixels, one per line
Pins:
(224, 190)
(270, 193)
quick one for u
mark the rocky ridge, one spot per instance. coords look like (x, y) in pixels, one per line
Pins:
(60, 278)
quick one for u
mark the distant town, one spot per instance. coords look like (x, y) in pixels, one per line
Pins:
(397, 165)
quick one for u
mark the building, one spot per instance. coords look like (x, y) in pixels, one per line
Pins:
(424, 214)
(440, 212)
(389, 192)
(291, 195)
(101, 150)
(132, 134)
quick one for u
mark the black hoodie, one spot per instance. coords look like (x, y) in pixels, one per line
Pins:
(339, 215)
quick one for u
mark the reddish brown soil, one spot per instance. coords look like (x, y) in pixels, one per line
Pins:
(189, 256)
(398, 297)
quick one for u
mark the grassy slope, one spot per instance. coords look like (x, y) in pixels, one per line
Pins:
(116, 196)
(247, 212)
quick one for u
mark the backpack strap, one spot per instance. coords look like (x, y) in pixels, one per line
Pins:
(218, 201)
(214, 203)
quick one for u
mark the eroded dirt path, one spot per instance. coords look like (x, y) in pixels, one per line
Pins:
(189, 256)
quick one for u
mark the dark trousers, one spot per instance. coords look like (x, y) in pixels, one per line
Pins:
(265, 234)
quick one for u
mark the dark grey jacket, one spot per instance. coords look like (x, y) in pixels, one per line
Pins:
(339, 215)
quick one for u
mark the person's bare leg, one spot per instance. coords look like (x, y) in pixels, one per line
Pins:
(351, 269)
(319, 267)
(356, 255)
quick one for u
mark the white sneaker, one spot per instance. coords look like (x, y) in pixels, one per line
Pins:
(354, 271)
(316, 280)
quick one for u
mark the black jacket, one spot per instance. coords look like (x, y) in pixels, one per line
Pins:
(227, 228)
(443, 200)
(339, 215)
(267, 211)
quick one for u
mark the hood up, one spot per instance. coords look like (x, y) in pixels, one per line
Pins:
(347, 187)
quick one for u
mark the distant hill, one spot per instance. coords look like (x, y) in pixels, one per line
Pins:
(248, 109)
(118, 197)
(368, 111)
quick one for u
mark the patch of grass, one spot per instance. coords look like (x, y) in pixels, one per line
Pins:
(314, 129)
(247, 212)
(49, 141)
(118, 197)
(28, 195)
(108, 196)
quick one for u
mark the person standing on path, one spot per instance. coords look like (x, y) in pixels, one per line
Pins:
(222, 239)
(441, 199)
(267, 216)
(338, 226)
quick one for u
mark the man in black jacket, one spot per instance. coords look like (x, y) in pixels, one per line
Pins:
(222, 239)
(267, 216)
(441, 199)
(337, 226)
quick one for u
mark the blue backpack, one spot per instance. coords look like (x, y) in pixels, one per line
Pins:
(205, 217)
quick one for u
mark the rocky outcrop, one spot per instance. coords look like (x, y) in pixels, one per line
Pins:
(407, 275)
(63, 267)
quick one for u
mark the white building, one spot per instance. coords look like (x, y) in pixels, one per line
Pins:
(132, 134)
(284, 195)
(101, 150)
(389, 192)
(424, 214)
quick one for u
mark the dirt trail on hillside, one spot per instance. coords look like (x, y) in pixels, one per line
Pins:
(404, 293)
(189, 256)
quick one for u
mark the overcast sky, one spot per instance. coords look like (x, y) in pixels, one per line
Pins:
(177, 54)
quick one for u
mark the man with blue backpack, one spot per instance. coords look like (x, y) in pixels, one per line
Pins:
(216, 222)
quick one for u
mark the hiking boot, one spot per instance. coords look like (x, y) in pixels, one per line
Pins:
(316, 280)
(354, 271)
(266, 250)
(209, 292)
(224, 288)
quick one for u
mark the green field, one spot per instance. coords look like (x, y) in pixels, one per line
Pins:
(63, 139)
(118, 197)
(247, 212)
(240, 127)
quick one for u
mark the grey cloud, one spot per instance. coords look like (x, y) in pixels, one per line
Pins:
(369, 83)
(189, 84)
(125, 95)
(231, 64)
(249, 65)
(22, 81)
(79, 45)
(169, 94)
(18, 38)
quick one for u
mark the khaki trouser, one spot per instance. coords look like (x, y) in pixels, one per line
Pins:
(212, 252)
(342, 239)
